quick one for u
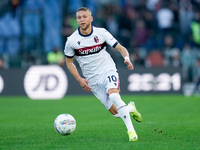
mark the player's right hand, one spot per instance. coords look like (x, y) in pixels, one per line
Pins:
(129, 64)
(84, 85)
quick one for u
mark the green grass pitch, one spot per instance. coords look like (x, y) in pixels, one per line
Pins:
(171, 122)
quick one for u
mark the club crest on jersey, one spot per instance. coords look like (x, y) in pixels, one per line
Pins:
(96, 39)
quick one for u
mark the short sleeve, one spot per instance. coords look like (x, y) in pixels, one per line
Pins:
(69, 51)
(110, 40)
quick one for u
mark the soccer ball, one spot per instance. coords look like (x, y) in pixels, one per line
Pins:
(65, 124)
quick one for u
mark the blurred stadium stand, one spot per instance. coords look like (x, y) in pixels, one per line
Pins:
(30, 29)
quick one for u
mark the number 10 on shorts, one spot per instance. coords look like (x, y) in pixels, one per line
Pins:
(112, 78)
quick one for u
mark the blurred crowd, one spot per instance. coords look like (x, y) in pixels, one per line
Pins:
(162, 33)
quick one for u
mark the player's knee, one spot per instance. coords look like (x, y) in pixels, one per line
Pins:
(113, 90)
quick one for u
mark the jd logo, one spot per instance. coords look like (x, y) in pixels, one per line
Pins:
(45, 82)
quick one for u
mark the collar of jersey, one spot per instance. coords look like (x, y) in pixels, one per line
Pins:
(87, 34)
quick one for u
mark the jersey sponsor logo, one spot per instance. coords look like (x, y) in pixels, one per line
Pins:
(96, 39)
(90, 50)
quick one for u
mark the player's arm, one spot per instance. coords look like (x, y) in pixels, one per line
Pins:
(73, 70)
(125, 55)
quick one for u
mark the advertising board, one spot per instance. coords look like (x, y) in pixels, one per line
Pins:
(54, 82)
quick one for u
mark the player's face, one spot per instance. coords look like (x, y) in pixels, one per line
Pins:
(84, 19)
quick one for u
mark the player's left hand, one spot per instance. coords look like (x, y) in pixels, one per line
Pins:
(129, 64)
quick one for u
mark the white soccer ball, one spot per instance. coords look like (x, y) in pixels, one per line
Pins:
(65, 124)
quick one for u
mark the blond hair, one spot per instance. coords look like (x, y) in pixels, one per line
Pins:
(84, 9)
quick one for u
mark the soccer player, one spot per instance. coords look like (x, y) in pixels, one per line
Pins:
(88, 45)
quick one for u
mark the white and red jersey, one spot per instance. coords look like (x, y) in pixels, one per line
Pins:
(90, 52)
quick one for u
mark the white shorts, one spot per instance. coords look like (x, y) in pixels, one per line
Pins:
(107, 81)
